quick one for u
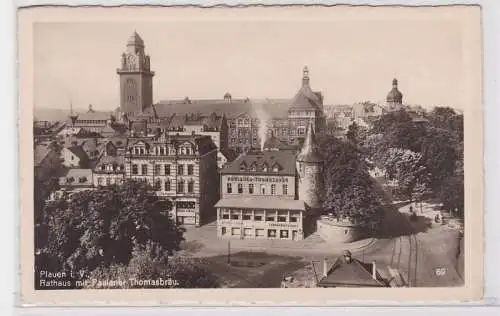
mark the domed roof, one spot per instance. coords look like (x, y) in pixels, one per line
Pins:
(310, 150)
(135, 40)
(395, 95)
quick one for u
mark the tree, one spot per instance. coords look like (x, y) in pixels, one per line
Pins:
(406, 167)
(349, 187)
(451, 194)
(100, 227)
(149, 264)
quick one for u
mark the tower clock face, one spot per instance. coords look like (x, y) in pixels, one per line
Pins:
(131, 60)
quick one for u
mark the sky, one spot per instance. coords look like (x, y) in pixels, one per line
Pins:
(348, 60)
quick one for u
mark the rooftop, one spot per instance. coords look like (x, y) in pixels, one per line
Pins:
(41, 151)
(261, 202)
(276, 163)
(77, 178)
(349, 273)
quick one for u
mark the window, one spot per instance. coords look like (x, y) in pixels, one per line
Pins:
(250, 188)
(259, 232)
(283, 233)
(262, 189)
(247, 232)
(157, 185)
(273, 189)
(135, 169)
(108, 181)
(229, 188)
(167, 170)
(294, 219)
(282, 219)
(240, 187)
(190, 186)
(190, 170)
(235, 231)
(285, 189)
(223, 231)
(269, 218)
(144, 169)
(257, 218)
(225, 216)
(247, 217)
(99, 181)
(180, 169)
(167, 185)
(271, 233)
(180, 186)
(157, 169)
(235, 216)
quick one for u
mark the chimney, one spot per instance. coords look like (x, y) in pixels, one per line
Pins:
(374, 270)
(325, 269)
(90, 108)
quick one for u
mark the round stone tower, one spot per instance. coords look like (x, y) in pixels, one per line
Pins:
(310, 163)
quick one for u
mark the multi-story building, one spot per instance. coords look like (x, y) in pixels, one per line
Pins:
(181, 168)
(92, 121)
(271, 194)
(258, 198)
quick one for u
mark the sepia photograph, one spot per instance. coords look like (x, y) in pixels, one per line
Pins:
(324, 147)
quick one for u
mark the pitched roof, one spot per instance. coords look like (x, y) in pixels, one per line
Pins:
(285, 159)
(167, 108)
(261, 202)
(77, 177)
(78, 151)
(350, 273)
(204, 143)
(118, 161)
(310, 150)
(40, 153)
(92, 115)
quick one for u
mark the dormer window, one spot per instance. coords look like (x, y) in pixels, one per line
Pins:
(243, 166)
(253, 167)
(265, 168)
(103, 167)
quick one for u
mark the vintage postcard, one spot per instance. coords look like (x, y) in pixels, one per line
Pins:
(257, 155)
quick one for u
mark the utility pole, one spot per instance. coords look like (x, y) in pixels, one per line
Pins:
(229, 252)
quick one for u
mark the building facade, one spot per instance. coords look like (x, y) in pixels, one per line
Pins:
(180, 168)
(259, 198)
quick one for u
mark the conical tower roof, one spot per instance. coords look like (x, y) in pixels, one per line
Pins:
(310, 150)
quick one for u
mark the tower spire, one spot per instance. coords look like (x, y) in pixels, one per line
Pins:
(310, 150)
(305, 76)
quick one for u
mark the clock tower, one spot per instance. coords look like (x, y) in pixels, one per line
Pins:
(136, 78)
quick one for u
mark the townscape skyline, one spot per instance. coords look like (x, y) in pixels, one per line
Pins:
(69, 68)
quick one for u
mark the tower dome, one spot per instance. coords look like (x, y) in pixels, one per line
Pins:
(395, 96)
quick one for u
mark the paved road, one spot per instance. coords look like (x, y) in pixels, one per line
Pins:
(424, 252)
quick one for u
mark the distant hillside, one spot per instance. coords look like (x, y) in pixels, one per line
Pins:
(52, 115)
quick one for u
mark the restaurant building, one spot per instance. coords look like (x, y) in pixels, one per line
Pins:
(262, 194)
